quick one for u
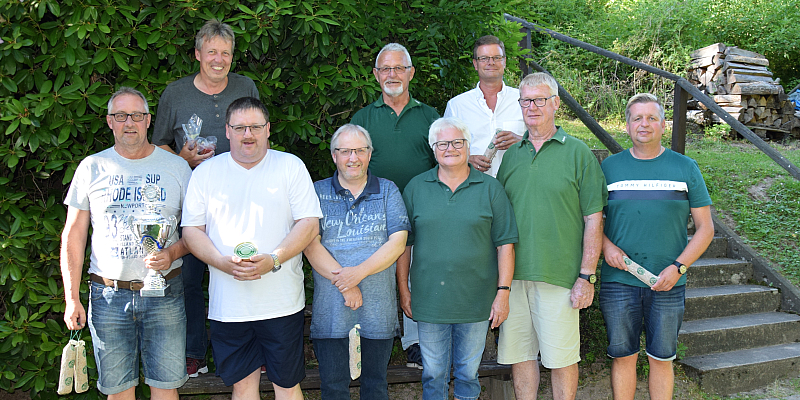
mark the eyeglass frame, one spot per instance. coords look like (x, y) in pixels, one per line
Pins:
(449, 143)
(397, 70)
(116, 118)
(485, 59)
(350, 152)
(534, 101)
(242, 129)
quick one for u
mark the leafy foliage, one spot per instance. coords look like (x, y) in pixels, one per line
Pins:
(61, 59)
(662, 33)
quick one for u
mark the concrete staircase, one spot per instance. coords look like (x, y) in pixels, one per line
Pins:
(737, 337)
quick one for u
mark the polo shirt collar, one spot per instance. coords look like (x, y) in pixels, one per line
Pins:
(412, 102)
(373, 185)
(560, 136)
(475, 176)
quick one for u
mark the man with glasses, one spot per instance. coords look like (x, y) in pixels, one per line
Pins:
(491, 107)
(248, 214)
(558, 192)
(108, 189)
(398, 125)
(207, 94)
(362, 233)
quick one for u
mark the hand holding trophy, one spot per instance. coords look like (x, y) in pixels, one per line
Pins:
(153, 232)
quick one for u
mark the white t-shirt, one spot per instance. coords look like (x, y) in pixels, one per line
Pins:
(471, 108)
(257, 205)
(109, 187)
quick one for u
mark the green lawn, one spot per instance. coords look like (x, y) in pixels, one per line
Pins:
(760, 198)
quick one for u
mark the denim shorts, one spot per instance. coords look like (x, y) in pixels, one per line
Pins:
(627, 309)
(125, 325)
(240, 348)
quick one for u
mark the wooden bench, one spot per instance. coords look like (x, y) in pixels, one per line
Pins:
(499, 383)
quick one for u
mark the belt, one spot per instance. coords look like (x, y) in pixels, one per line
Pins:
(130, 285)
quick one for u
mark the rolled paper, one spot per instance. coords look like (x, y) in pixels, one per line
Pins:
(491, 150)
(81, 371)
(355, 352)
(640, 272)
(67, 374)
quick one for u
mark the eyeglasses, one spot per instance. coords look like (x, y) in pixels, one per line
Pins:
(361, 151)
(254, 129)
(485, 59)
(539, 101)
(443, 145)
(122, 117)
(397, 70)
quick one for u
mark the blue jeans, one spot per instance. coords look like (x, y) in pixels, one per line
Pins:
(627, 308)
(193, 271)
(124, 324)
(334, 368)
(459, 345)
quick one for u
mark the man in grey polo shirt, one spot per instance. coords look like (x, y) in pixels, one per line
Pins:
(208, 94)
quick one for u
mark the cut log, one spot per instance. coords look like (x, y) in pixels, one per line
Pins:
(702, 62)
(746, 71)
(740, 78)
(755, 88)
(762, 101)
(737, 65)
(747, 60)
(709, 50)
(752, 102)
(748, 115)
(772, 102)
(735, 51)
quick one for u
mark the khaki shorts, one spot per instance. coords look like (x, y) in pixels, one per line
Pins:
(541, 319)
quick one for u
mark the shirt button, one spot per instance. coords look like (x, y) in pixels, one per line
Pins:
(353, 207)
(216, 105)
(217, 115)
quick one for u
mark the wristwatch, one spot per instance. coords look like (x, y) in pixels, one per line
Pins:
(681, 268)
(590, 278)
(276, 265)
(504, 288)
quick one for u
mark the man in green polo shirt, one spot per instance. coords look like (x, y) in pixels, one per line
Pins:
(558, 192)
(399, 126)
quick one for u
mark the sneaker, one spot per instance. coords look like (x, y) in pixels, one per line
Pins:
(195, 366)
(263, 369)
(414, 356)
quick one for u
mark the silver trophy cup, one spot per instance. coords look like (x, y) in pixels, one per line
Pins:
(153, 231)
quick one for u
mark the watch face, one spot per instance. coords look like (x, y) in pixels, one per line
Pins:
(682, 269)
(592, 278)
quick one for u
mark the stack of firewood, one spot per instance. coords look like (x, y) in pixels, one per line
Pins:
(738, 80)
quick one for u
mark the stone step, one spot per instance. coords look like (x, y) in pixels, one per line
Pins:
(722, 301)
(717, 249)
(741, 370)
(715, 335)
(718, 271)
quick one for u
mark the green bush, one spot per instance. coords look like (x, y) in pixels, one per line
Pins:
(61, 59)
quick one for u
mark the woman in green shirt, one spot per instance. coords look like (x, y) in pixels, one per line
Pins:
(463, 235)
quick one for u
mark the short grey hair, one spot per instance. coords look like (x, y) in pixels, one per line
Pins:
(125, 90)
(350, 128)
(447, 122)
(540, 78)
(213, 28)
(641, 98)
(394, 47)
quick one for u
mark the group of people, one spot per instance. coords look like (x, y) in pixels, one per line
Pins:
(491, 216)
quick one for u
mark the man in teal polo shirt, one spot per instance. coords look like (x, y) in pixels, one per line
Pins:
(399, 126)
(558, 192)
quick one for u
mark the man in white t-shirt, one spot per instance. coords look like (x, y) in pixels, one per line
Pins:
(490, 107)
(248, 214)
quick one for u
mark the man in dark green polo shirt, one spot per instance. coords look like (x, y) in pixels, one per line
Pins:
(558, 192)
(398, 125)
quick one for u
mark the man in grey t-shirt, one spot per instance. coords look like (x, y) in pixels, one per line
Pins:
(362, 233)
(208, 94)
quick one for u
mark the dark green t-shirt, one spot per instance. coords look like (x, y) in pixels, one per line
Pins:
(455, 237)
(400, 142)
(649, 202)
(551, 191)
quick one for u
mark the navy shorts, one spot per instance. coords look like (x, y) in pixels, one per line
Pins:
(240, 348)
